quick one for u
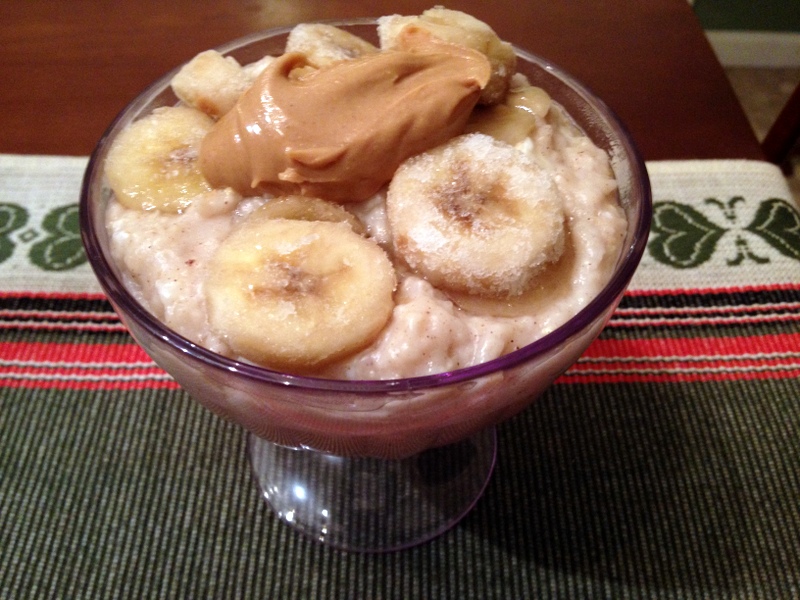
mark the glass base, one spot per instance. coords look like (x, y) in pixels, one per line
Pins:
(373, 505)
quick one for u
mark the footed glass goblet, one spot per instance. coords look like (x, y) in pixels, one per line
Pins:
(373, 465)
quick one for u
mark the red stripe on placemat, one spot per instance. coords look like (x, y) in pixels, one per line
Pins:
(734, 289)
(65, 326)
(54, 295)
(689, 359)
(77, 352)
(630, 292)
(788, 342)
(127, 366)
(79, 366)
(61, 315)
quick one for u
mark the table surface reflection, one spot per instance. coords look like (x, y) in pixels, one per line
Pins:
(70, 67)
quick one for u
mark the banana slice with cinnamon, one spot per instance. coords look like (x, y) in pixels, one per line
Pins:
(211, 82)
(309, 208)
(153, 163)
(476, 216)
(294, 295)
(323, 44)
(514, 119)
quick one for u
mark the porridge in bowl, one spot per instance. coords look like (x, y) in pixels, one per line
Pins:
(362, 212)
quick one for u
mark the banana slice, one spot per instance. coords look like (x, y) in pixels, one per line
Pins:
(211, 83)
(553, 286)
(254, 69)
(513, 120)
(294, 295)
(307, 208)
(475, 216)
(153, 163)
(458, 28)
(324, 44)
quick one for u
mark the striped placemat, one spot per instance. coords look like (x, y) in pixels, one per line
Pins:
(664, 464)
(716, 294)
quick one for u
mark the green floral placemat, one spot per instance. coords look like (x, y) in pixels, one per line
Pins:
(40, 245)
(720, 224)
(715, 223)
(663, 465)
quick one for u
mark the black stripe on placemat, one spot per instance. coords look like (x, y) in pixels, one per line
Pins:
(55, 303)
(708, 299)
(51, 317)
(701, 314)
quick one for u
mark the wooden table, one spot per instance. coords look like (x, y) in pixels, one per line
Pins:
(69, 67)
(663, 465)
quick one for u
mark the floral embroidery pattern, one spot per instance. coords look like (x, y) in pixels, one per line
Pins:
(778, 224)
(12, 218)
(683, 237)
(60, 249)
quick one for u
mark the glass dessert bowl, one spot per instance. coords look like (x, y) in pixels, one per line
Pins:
(377, 464)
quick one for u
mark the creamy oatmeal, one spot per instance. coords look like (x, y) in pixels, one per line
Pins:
(433, 323)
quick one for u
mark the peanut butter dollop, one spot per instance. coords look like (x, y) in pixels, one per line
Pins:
(341, 132)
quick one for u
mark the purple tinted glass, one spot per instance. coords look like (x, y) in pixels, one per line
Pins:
(591, 114)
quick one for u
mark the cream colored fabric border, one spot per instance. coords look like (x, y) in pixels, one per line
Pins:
(39, 185)
(31, 188)
(725, 196)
